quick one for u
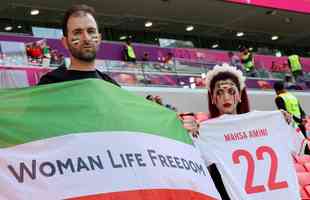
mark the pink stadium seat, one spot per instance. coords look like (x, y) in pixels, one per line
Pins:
(295, 159)
(307, 190)
(304, 195)
(300, 168)
(303, 178)
(302, 159)
(307, 166)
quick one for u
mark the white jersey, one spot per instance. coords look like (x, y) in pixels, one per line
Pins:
(253, 153)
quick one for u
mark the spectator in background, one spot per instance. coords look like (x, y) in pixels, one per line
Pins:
(36, 52)
(28, 49)
(289, 85)
(295, 66)
(168, 58)
(46, 55)
(145, 57)
(235, 60)
(61, 59)
(82, 39)
(129, 52)
(288, 82)
(288, 102)
(46, 51)
(168, 61)
(54, 57)
(248, 62)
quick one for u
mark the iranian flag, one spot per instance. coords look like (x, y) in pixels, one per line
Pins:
(87, 139)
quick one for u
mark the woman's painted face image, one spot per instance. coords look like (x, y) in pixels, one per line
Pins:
(226, 96)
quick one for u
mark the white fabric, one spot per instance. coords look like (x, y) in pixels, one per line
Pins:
(275, 135)
(117, 177)
(13, 79)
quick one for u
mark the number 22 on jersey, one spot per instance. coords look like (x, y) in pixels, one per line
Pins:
(272, 182)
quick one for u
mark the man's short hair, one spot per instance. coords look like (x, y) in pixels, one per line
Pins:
(278, 86)
(76, 10)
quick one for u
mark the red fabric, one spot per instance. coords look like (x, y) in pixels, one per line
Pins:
(154, 194)
(36, 52)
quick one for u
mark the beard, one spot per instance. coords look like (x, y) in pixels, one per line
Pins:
(87, 55)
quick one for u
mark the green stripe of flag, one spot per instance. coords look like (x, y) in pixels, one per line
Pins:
(80, 106)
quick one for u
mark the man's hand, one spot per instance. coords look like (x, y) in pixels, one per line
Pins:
(190, 123)
(287, 116)
(304, 121)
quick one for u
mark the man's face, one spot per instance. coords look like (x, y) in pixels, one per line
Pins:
(226, 96)
(83, 38)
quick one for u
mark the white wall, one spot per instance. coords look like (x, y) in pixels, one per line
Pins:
(189, 100)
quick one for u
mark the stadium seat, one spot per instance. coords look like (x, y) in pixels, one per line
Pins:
(300, 168)
(262, 73)
(302, 159)
(307, 76)
(307, 166)
(307, 190)
(304, 194)
(303, 178)
(278, 75)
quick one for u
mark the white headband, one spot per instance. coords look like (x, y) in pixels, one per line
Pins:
(225, 68)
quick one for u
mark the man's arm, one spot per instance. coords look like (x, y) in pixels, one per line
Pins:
(289, 64)
(280, 103)
(281, 106)
(302, 112)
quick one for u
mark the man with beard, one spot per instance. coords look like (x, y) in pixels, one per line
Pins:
(82, 39)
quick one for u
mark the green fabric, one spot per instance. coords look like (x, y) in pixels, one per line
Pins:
(291, 104)
(131, 52)
(81, 106)
(295, 64)
(46, 51)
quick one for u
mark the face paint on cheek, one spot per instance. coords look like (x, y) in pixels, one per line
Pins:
(94, 38)
(213, 98)
(75, 40)
(237, 98)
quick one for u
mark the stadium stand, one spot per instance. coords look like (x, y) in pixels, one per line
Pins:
(186, 70)
(302, 164)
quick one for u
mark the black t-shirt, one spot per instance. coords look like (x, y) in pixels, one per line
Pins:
(63, 74)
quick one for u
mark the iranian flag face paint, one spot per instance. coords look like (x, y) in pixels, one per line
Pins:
(76, 40)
